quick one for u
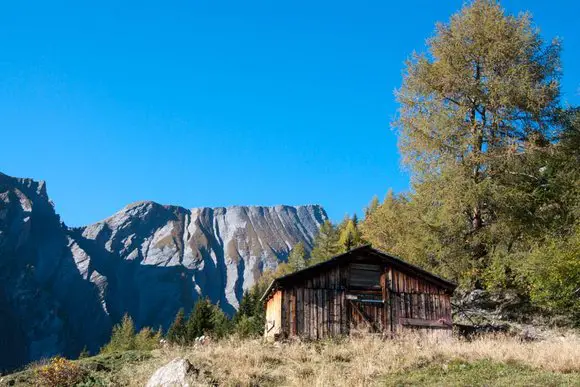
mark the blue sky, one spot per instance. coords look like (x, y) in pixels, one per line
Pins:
(216, 103)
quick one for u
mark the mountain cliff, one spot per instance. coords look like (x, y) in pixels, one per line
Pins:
(63, 288)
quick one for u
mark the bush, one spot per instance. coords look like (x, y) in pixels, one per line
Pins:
(60, 372)
(553, 275)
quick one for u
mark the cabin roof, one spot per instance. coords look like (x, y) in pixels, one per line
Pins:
(362, 251)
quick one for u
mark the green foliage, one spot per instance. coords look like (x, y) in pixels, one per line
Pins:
(349, 235)
(373, 205)
(325, 243)
(205, 319)
(147, 339)
(123, 338)
(250, 319)
(473, 111)
(221, 324)
(60, 372)
(297, 257)
(200, 321)
(494, 161)
(249, 326)
(177, 332)
(478, 373)
(552, 272)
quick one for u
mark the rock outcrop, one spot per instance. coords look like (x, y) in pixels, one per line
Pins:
(46, 307)
(174, 374)
(63, 288)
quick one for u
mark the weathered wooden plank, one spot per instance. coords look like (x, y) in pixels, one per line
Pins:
(337, 315)
(306, 312)
(293, 312)
(342, 318)
(300, 312)
(423, 323)
(320, 312)
(324, 319)
(285, 314)
(312, 323)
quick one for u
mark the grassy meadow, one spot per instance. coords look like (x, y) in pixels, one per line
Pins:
(365, 361)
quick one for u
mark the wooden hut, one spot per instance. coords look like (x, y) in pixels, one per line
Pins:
(361, 290)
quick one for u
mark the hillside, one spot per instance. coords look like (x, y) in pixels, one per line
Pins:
(368, 361)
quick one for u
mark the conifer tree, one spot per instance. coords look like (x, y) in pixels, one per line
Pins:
(200, 322)
(349, 236)
(251, 316)
(247, 305)
(220, 323)
(373, 205)
(147, 339)
(297, 257)
(325, 243)
(177, 332)
(122, 337)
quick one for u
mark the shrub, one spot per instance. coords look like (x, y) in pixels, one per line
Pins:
(553, 274)
(60, 372)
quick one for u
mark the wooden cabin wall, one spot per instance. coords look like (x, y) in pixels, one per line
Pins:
(418, 304)
(274, 315)
(322, 306)
(315, 308)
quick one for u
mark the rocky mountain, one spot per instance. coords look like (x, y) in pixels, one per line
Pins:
(63, 288)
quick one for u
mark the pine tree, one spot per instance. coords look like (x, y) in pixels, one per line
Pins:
(325, 243)
(221, 325)
(349, 235)
(122, 337)
(297, 257)
(177, 332)
(147, 339)
(373, 205)
(250, 319)
(247, 305)
(199, 322)
(355, 219)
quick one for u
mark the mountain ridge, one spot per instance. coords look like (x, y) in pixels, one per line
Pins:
(64, 287)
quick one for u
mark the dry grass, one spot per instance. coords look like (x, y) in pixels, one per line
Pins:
(366, 361)
(371, 361)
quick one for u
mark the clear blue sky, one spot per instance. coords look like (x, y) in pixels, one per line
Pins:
(212, 103)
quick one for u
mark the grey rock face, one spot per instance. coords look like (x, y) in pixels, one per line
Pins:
(217, 253)
(44, 303)
(63, 288)
(174, 374)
